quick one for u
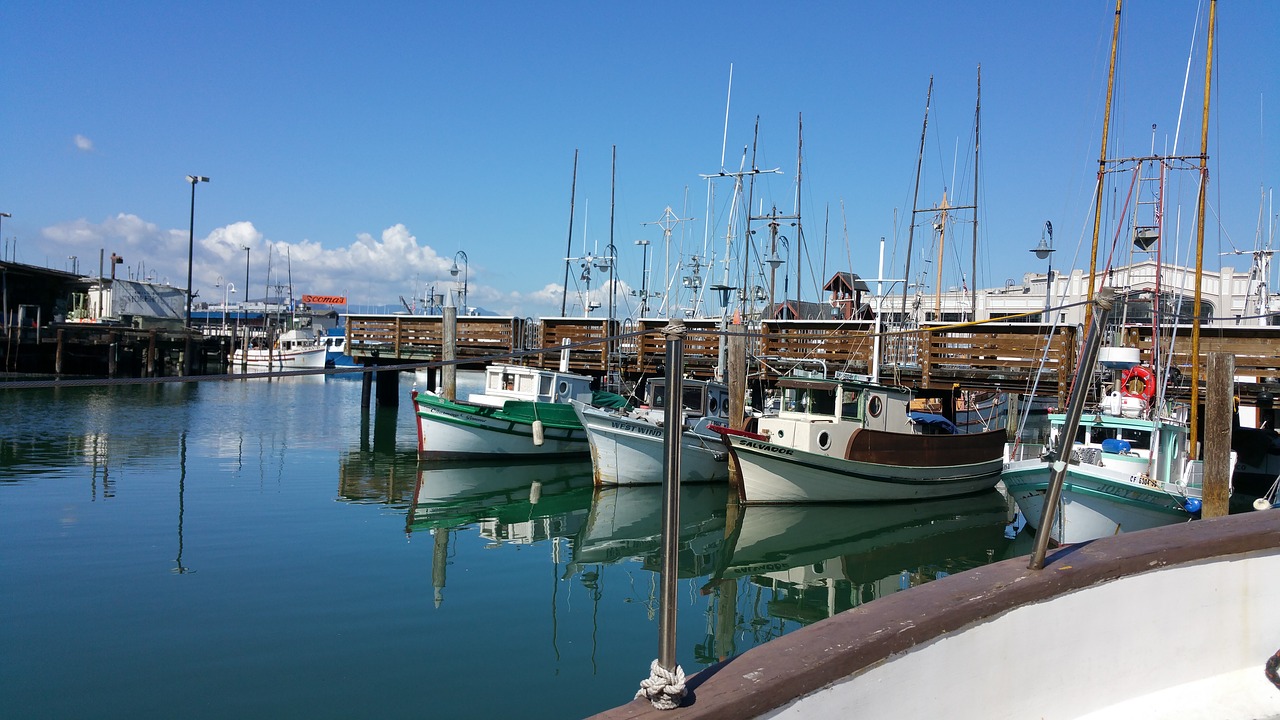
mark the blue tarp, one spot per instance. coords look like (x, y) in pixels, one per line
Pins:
(934, 419)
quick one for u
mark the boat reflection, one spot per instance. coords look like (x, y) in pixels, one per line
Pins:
(818, 560)
(511, 502)
(625, 523)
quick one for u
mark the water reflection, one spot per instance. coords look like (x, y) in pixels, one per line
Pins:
(625, 523)
(805, 563)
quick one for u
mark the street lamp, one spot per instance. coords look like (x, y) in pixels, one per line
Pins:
(644, 277)
(4, 215)
(1044, 251)
(245, 248)
(466, 270)
(191, 240)
(230, 289)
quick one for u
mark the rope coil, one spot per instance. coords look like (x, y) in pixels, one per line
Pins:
(664, 688)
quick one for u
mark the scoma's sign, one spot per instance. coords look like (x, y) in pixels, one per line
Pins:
(324, 299)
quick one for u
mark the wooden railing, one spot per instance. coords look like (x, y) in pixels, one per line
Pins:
(1006, 356)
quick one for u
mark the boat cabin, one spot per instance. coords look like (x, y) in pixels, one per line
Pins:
(700, 397)
(518, 382)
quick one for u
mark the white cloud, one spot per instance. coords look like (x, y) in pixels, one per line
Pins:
(83, 143)
(371, 270)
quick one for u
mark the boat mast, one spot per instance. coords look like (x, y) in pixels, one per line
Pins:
(915, 199)
(977, 142)
(799, 227)
(1204, 181)
(568, 251)
(1102, 159)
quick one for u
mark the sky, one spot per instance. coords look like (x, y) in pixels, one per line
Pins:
(363, 150)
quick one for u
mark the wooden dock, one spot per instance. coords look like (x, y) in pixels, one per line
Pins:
(1000, 356)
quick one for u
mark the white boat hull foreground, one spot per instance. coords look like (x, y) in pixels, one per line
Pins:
(626, 451)
(1175, 622)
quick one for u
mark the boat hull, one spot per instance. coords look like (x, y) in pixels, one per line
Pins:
(1095, 501)
(308, 359)
(773, 473)
(458, 431)
(625, 451)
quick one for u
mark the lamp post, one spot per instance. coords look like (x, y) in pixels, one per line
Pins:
(1044, 251)
(644, 277)
(4, 215)
(245, 248)
(191, 240)
(466, 270)
(229, 290)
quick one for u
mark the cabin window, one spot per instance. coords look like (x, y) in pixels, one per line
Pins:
(850, 407)
(1137, 439)
(874, 406)
(659, 396)
(544, 387)
(807, 400)
(693, 398)
(508, 381)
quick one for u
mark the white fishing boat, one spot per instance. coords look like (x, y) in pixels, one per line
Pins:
(849, 439)
(1128, 467)
(627, 443)
(296, 349)
(521, 412)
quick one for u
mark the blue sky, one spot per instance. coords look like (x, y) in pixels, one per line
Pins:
(368, 143)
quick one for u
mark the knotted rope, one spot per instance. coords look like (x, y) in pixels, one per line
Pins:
(664, 688)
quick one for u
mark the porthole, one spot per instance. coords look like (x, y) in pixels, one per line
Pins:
(824, 440)
(713, 405)
(563, 388)
(874, 406)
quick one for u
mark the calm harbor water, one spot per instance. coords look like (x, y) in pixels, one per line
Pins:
(265, 549)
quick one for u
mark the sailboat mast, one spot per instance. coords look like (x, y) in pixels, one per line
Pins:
(799, 228)
(977, 142)
(915, 200)
(568, 251)
(1204, 181)
(1102, 156)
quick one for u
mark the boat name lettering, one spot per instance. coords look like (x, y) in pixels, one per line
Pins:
(635, 428)
(767, 447)
(1143, 479)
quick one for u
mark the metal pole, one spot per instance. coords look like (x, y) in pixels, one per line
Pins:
(1101, 302)
(673, 420)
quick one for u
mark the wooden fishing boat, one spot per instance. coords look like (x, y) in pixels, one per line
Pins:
(522, 412)
(850, 439)
(627, 443)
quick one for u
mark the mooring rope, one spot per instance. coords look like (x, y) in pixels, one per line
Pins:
(664, 688)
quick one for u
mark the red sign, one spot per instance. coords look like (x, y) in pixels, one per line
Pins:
(324, 299)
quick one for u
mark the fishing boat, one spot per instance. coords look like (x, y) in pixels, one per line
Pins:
(627, 443)
(295, 349)
(851, 439)
(521, 412)
(1128, 466)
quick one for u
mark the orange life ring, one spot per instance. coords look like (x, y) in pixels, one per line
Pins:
(1144, 376)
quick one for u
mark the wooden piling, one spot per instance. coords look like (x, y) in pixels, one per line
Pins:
(151, 354)
(1220, 382)
(113, 348)
(449, 350)
(57, 356)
